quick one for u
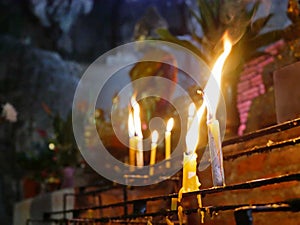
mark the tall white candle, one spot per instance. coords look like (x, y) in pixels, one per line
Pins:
(132, 141)
(153, 150)
(216, 155)
(170, 125)
(138, 133)
(214, 138)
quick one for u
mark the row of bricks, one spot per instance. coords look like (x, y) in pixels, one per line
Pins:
(251, 83)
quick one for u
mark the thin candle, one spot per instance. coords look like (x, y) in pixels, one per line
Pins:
(132, 140)
(216, 155)
(170, 125)
(153, 150)
(214, 138)
(190, 181)
(138, 132)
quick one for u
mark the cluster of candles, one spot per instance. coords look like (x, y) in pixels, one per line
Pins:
(190, 181)
(136, 139)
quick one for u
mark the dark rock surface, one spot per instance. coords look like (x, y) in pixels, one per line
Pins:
(29, 77)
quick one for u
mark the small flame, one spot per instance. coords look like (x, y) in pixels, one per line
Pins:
(154, 136)
(136, 117)
(192, 136)
(170, 124)
(130, 125)
(192, 109)
(216, 76)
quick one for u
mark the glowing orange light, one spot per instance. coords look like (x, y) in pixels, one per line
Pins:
(154, 136)
(192, 109)
(130, 125)
(192, 136)
(170, 124)
(216, 76)
(136, 117)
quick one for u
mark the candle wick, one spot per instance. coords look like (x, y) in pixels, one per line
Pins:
(200, 92)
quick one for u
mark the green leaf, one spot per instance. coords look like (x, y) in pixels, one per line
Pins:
(194, 14)
(167, 36)
(264, 39)
(209, 21)
(198, 39)
(259, 24)
(215, 7)
(253, 11)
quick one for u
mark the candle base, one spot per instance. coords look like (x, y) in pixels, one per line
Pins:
(190, 181)
(139, 152)
(216, 155)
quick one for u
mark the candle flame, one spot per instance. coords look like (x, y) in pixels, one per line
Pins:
(136, 117)
(192, 109)
(154, 136)
(217, 76)
(170, 124)
(192, 136)
(131, 131)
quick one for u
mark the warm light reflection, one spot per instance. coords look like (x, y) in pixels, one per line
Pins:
(136, 117)
(51, 146)
(210, 89)
(154, 136)
(192, 109)
(192, 136)
(170, 124)
(131, 131)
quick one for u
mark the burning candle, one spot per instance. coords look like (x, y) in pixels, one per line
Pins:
(216, 152)
(138, 136)
(153, 150)
(168, 141)
(190, 180)
(132, 141)
(214, 138)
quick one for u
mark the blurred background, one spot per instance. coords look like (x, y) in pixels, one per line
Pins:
(46, 45)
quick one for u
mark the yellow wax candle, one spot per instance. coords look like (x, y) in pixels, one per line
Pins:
(137, 132)
(132, 141)
(190, 181)
(132, 149)
(139, 152)
(216, 155)
(168, 141)
(153, 150)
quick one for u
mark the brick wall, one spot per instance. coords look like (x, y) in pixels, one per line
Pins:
(279, 161)
(250, 85)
